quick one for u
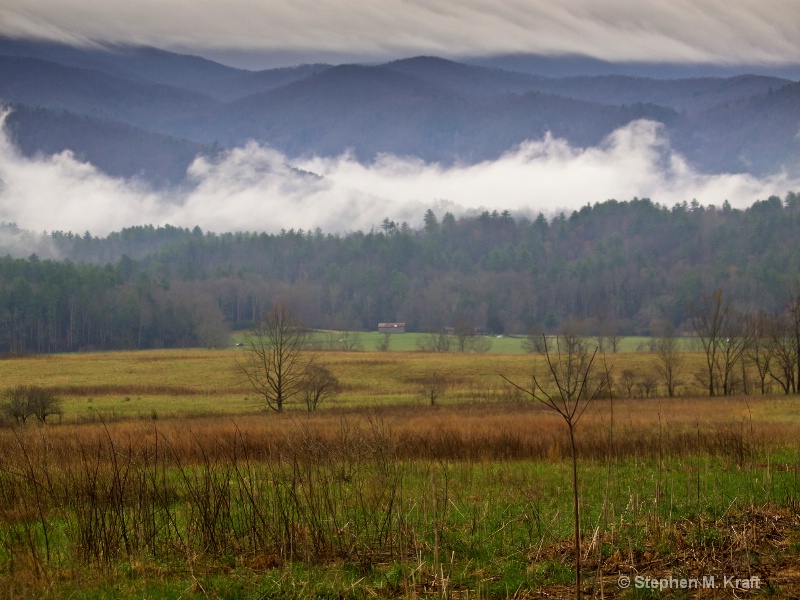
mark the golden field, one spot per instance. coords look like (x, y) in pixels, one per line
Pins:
(479, 416)
(206, 382)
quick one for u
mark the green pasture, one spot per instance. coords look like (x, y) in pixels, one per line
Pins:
(499, 344)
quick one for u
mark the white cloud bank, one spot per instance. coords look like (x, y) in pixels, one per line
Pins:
(717, 31)
(253, 189)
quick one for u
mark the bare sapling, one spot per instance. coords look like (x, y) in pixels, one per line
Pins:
(567, 389)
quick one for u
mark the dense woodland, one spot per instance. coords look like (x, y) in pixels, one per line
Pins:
(631, 267)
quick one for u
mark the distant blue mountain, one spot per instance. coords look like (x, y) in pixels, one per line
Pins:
(585, 66)
(151, 102)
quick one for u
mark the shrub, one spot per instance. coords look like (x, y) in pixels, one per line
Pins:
(23, 401)
(15, 404)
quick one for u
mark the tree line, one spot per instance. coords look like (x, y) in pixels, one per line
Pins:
(744, 352)
(51, 306)
(616, 267)
(733, 339)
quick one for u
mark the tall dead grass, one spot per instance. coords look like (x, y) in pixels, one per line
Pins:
(457, 432)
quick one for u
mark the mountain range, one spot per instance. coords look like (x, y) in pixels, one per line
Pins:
(141, 112)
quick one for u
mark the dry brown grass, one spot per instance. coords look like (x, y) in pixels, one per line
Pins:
(482, 431)
(754, 542)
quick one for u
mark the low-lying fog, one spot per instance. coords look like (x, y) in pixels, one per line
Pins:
(255, 188)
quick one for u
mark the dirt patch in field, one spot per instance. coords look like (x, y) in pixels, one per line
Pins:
(750, 553)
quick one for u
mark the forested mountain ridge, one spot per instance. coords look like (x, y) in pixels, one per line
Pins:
(437, 110)
(373, 110)
(145, 114)
(628, 266)
(146, 64)
(160, 160)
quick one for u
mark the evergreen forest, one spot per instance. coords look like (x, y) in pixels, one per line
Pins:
(619, 267)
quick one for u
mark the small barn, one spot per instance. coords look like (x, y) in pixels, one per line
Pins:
(391, 327)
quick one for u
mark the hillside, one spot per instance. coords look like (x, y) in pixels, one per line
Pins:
(115, 148)
(40, 83)
(382, 109)
(745, 147)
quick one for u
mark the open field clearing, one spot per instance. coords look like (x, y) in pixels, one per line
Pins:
(161, 383)
(164, 478)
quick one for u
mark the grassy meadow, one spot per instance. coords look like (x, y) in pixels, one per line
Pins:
(164, 383)
(165, 478)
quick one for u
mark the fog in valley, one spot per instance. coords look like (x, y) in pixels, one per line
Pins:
(255, 188)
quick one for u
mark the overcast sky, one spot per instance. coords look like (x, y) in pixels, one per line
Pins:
(290, 31)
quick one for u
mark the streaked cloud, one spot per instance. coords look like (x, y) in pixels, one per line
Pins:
(732, 31)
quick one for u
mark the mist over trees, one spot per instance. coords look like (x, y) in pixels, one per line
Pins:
(617, 267)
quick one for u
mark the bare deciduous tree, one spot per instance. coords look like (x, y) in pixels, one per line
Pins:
(794, 312)
(627, 381)
(733, 345)
(708, 321)
(466, 337)
(15, 404)
(610, 331)
(759, 351)
(382, 345)
(724, 334)
(481, 344)
(647, 384)
(434, 342)
(43, 403)
(784, 354)
(433, 387)
(347, 340)
(601, 340)
(464, 332)
(23, 401)
(276, 357)
(615, 339)
(535, 342)
(669, 362)
(344, 340)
